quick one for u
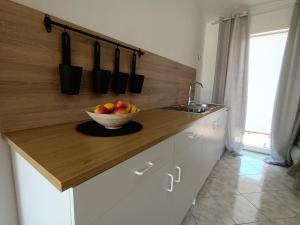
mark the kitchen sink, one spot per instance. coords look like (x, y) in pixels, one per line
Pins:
(193, 108)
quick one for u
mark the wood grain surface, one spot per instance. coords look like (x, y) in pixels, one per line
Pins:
(67, 158)
(29, 80)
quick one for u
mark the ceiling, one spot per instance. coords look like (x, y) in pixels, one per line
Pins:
(212, 9)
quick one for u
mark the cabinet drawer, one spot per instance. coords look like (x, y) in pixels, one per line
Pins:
(184, 140)
(99, 194)
(149, 204)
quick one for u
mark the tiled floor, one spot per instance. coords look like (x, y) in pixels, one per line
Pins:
(245, 190)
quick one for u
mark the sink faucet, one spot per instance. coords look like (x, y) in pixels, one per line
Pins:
(190, 101)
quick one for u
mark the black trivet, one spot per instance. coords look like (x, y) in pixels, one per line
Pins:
(92, 128)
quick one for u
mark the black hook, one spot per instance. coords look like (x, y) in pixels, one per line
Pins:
(47, 23)
(140, 53)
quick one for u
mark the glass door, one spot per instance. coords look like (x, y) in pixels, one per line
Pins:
(266, 53)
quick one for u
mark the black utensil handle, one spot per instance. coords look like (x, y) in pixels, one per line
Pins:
(66, 48)
(133, 64)
(117, 61)
(97, 54)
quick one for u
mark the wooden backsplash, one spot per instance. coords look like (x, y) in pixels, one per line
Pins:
(29, 80)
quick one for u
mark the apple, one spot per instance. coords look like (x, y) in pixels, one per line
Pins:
(120, 111)
(120, 104)
(110, 106)
(101, 109)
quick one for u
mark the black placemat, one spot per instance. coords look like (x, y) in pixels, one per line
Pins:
(92, 128)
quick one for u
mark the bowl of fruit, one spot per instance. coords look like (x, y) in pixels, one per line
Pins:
(113, 115)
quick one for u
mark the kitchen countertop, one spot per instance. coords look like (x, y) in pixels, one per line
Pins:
(67, 158)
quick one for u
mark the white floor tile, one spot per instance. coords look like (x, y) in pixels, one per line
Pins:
(246, 190)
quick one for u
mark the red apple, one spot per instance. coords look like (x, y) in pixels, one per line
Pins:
(101, 109)
(120, 104)
(120, 111)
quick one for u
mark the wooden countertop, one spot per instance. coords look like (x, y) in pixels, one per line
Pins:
(67, 158)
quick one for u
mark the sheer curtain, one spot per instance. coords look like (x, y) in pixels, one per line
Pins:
(286, 116)
(231, 78)
(225, 30)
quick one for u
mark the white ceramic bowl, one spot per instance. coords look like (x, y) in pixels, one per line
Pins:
(111, 121)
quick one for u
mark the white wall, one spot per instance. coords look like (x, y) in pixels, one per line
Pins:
(8, 212)
(169, 28)
(263, 18)
(270, 17)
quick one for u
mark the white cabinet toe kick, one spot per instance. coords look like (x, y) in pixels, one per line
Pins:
(155, 187)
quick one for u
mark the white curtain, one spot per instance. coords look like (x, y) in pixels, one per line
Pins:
(225, 31)
(286, 118)
(236, 84)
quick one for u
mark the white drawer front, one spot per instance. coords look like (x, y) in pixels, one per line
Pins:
(99, 194)
(183, 142)
(149, 204)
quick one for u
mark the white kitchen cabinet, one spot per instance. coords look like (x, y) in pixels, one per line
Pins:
(155, 187)
(217, 134)
(149, 204)
(222, 124)
(196, 150)
(188, 157)
(98, 195)
(39, 202)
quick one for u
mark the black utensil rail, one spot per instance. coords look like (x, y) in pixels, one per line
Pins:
(48, 22)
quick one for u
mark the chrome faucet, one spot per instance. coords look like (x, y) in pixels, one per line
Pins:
(190, 101)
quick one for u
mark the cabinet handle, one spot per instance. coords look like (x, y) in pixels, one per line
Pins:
(170, 189)
(143, 171)
(191, 135)
(178, 179)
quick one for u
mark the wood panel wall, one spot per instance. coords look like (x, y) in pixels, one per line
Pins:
(29, 80)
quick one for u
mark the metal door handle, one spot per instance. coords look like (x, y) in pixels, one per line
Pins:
(170, 189)
(178, 179)
(143, 171)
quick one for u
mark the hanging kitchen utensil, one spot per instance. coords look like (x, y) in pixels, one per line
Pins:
(136, 80)
(70, 76)
(101, 78)
(120, 79)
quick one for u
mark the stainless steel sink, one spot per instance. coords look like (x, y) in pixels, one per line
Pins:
(193, 108)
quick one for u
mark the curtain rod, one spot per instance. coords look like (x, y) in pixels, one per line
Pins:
(222, 19)
(48, 25)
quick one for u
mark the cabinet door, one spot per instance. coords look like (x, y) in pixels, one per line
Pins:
(222, 125)
(97, 196)
(188, 173)
(149, 204)
(210, 151)
(218, 125)
(216, 133)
